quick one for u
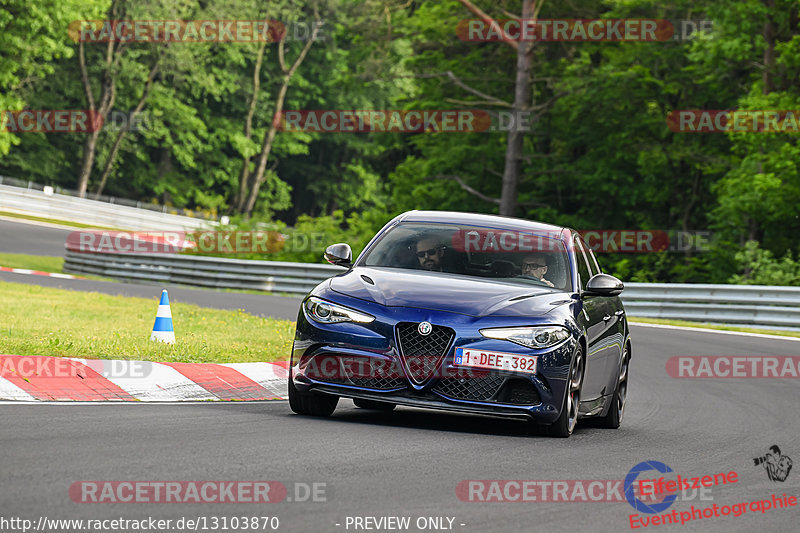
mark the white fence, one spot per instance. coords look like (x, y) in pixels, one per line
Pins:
(49, 204)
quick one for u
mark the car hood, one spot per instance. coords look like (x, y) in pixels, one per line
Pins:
(453, 293)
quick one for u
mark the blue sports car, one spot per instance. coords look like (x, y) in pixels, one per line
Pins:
(471, 313)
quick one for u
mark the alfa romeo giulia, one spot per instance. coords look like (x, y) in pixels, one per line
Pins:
(471, 313)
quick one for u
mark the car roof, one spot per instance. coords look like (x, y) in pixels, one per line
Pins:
(494, 221)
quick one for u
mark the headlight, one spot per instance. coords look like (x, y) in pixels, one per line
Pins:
(532, 337)
(329, 313)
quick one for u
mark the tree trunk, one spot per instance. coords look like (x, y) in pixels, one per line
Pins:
(770, 35)
(112, 156)
(244, 176)
(89, 146)
(514, 147)
(97, 113)
(266, 148)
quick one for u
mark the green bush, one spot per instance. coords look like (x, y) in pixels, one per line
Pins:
(759, 267)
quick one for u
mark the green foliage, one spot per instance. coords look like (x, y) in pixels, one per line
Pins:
(760, 267)
(34, 37)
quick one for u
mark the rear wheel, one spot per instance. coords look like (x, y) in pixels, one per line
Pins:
(613, 418)
(565, 424)
(373, 404)
(309, 403)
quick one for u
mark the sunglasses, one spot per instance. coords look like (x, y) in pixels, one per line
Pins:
(533, 266)
(430, 253)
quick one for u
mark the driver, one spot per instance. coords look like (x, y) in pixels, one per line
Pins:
(535, 266)
(429, 252)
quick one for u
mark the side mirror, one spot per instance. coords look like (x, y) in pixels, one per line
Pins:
(604, 285)
(339, 254)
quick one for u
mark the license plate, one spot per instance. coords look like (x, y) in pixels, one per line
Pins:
(495, 360)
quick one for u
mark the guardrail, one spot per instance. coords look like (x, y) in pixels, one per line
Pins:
(749, 305)
(50, 204)
(271, 276)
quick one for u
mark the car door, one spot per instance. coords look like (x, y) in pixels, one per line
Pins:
(615, 329)
(593, 312)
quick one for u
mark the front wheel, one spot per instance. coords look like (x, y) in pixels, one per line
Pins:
(308, 403)
(565, 424)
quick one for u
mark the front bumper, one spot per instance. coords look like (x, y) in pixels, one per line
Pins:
(538, 396)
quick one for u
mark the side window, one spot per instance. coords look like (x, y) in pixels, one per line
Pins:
(583, 265)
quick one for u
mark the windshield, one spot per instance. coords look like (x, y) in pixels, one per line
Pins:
(520, 257)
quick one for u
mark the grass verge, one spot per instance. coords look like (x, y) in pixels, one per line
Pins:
(686, 323)
(45, 321)
(45, 263)
(52, 221)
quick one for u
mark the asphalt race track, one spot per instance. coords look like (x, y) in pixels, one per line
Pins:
(31, 238)
(408, 463)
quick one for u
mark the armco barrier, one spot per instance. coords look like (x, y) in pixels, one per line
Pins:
(85, 211)
(752, 305)
(272, 276)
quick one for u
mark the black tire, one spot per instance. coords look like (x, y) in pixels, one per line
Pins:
(568, 419)
(373, 405)
(616, 410)
(309, 403)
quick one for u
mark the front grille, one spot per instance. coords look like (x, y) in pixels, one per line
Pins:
(372, 374)
(476, 387)
(423, 353)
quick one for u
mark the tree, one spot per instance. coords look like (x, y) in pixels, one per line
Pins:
(33, 38)
(266, 148)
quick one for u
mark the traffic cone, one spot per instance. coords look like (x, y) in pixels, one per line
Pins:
(162, 329)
